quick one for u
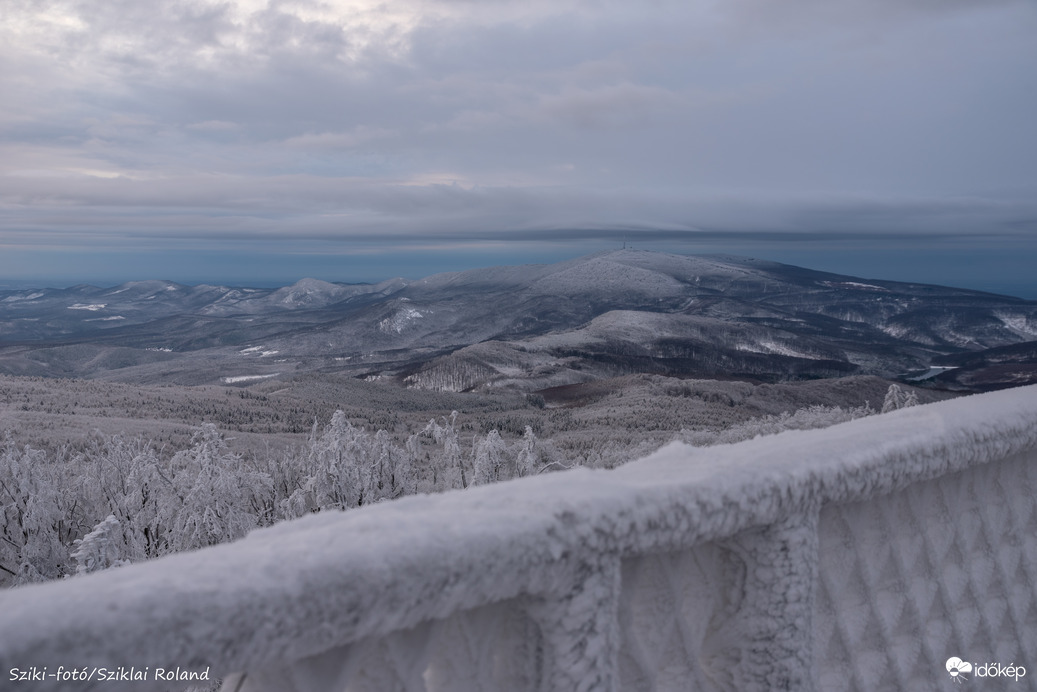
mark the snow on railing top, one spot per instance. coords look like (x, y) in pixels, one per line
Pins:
(305, 586)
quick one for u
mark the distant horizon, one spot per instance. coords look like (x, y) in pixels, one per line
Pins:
(901, 267)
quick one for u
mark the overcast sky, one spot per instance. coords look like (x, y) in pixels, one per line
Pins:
(255, 141)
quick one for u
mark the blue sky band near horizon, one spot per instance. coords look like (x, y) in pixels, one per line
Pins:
(259, 142)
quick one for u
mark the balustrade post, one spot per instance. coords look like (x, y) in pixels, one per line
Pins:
(767, 643)
(579, 627)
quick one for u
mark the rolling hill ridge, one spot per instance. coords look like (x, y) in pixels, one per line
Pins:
(524, 327)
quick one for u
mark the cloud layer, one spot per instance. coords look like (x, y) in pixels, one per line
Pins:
(148, 126)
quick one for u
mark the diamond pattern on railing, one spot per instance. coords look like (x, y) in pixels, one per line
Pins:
(485, 649)
(669, 604)
(944, 568)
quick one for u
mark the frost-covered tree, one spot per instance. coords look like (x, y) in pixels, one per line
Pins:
(345, 466)
(121, 499)
(808, 418)
(447, 435)
(390, 475)
(99, 549)
(492, 460)
(527, 460)
(414, 456)
(897, 398)
(220, 495)
(334, 475)
(495, 460)
(37, 519)
(126, 479)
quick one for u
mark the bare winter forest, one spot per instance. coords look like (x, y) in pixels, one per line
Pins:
(84, 487)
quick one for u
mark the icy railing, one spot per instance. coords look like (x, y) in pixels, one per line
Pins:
(861, 556)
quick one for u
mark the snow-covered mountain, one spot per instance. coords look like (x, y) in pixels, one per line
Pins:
(525, 326)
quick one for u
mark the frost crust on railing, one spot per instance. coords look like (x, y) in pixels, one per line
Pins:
(551, 545)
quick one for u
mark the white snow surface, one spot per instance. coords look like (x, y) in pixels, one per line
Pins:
(309, 292)
(399, 320)
(636, 272)
(247, 378)
(771, 346)
(306, 586)
(1020, 324)
(896, 331)
(31, 296)
(854, 284)
(933, 371)
(258, 351)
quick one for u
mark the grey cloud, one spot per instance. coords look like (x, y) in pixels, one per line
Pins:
(795, 15)
(309, 207)
(615, 105)
(793, 120)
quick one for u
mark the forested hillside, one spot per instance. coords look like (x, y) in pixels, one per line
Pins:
(110, 499)
(521, 328)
